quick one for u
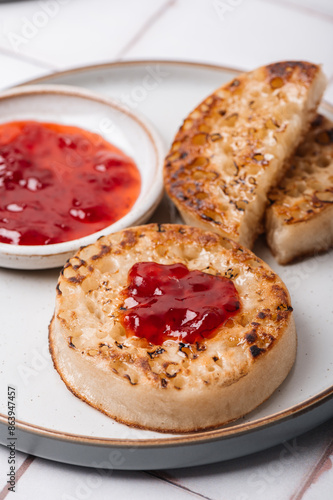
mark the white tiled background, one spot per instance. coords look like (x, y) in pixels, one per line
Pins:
(39, 37)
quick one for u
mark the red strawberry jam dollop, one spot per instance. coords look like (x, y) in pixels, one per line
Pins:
(163, 302)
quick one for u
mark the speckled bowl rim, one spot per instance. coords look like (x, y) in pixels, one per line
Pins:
(137, 213)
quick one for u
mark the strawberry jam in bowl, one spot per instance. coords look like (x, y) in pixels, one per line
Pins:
(73, 166)
(60, 183)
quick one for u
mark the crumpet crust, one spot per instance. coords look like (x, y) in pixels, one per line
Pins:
(300, 219)
(231, 150)
(174, 387)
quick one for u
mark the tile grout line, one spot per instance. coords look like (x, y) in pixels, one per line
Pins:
(26, 58)
(146, 26)
(301, 8)
(161, 478)
(21, 470)
(314, 474)
(150, 22)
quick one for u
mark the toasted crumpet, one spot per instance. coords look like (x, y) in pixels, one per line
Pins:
(232, 149)
(172, 387)
(300, 219)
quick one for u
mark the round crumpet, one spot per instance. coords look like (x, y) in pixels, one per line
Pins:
(188, 379)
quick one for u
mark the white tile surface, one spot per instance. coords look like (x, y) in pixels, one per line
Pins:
(324, 7)
(5, 467)
(273, 474)
(251, 33)
(14, 71)
(54, 481)
(322, 484)
(73, 32)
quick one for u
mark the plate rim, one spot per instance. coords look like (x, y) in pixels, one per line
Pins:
(187, 438)
(130, 62)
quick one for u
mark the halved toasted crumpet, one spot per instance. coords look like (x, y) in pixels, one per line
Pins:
(172, 387)
(300, 219)
(232, 149)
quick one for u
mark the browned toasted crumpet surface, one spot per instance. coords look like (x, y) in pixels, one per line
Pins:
(300, 219)
(232, 149)
(172, 387)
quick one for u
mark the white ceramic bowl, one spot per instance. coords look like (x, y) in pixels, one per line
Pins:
(125, 129)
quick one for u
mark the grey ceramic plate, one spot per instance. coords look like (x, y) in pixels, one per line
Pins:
(52, 423)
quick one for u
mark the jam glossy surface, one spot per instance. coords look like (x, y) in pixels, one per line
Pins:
(59, 183)
(164, 302)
